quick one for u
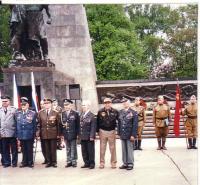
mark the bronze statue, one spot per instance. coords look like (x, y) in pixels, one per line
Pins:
(28, 31)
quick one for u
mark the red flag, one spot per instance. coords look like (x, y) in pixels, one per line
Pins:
(177, 111)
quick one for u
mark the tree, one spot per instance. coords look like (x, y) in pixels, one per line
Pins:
(181, 44)
(116, 48)
(5, 51)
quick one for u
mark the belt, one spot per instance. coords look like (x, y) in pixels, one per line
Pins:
(161, 118)
(141, 120)
(192, 117)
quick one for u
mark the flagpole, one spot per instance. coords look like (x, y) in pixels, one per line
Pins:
(185, 131)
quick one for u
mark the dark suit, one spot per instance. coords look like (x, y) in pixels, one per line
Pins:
(49, 131)
(87, 131)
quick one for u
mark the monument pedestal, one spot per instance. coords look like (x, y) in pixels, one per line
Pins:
(51, 83)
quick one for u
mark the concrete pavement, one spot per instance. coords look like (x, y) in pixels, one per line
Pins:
(176, 166)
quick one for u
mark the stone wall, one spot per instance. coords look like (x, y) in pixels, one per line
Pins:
(70, 48)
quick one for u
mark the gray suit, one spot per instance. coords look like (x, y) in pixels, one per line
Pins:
(8, 136)
(7, 123)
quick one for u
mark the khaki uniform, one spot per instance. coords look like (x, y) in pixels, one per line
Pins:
(191, 121)
(160, 113)
(161, 119)
(141, 119)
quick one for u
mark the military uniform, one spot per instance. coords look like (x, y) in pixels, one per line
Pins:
(59, 141)
(70, 130)
(8, 136)
(106, 127)
(87, 131)
(49, 125)
(26, 129)
(127, 127)
(161, 119)
(141, 123)
(191, 123)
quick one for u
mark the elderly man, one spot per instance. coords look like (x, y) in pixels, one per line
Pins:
(49, 126)
(26, 130)
(127, 130)
(8, 133)
(161, 120)
(107, 119)
(87, 135)
(70, 130)
(191, 122)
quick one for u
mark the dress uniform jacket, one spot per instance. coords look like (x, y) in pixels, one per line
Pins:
(49, 125)
(128, 123)
(87, 126)
(7, 122)
(70, 124)
(160, 114)
(26, 124)
(107, 119)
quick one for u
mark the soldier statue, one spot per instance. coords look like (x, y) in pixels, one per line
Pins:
(28, 31)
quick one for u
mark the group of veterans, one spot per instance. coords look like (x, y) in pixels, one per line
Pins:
(52, 124)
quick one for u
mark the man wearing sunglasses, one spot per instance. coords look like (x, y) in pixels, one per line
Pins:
(8, 133)
(26, 129)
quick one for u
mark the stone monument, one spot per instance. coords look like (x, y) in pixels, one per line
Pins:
(70, 58)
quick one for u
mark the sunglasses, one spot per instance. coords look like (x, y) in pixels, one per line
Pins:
(4, 101)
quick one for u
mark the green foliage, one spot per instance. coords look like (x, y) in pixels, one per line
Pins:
(5, 51)
(116, 48)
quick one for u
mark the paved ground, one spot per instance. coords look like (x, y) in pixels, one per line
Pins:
(176, 166)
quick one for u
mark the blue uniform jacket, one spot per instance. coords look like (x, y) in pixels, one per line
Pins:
(26, 124)
(128, 123)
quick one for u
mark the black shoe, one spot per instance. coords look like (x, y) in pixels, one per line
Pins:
(23, 165)
(54, 165)
(30, 165)
(129, 168)
(85, 166)
(14, 165)
(44, 162)
(123, 167)
(48, 165)
(68, 165)
(74, 165)
(91, 167)
(6, 166)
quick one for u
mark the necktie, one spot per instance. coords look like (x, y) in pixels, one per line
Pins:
(47, 113)
(5, 110)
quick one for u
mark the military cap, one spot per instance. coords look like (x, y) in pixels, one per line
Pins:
(107, 100)
(67, 101)
(24, 100)
(47, 100)
(5, 97)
